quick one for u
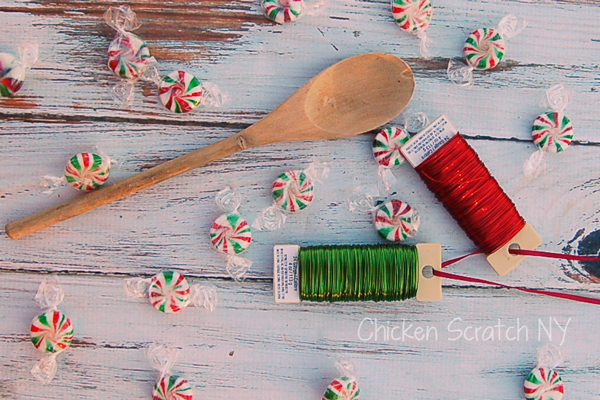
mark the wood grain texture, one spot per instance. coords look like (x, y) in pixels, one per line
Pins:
(250, 347)
(228, 354)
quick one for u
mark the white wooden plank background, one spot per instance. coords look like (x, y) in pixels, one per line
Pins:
(64, 108)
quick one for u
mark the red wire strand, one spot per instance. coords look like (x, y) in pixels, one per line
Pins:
(567, 296)
(462, 183)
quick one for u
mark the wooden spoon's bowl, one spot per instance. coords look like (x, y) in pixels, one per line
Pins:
(359, 94)
(354, 96)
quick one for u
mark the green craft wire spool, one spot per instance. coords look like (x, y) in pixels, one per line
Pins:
(356, 273)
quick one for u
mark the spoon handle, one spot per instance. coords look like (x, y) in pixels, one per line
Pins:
(118, 190)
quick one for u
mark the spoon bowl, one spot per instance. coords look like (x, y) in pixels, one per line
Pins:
(356, 95)
(350, 98)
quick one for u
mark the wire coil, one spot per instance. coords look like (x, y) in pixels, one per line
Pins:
(358, 273)
(462, 183)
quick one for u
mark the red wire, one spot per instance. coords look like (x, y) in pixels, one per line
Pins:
(533, 253)
(462, 183)
(562, 256)
(567, 296)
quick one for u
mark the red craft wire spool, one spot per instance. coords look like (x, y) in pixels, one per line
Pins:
(458, 178)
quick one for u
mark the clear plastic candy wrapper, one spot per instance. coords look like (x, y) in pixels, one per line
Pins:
(12, 69)
(345, 387)
(168, 386)
(84, 171)
(169, 292)
(51, 331)
(292, 192)
(389, 140)
(543, 382)
(230, 234)
(181, 92)
(285, 11)
(394, 219)
(128, 55)
(484, 49)
(414, 16)
(552, 131)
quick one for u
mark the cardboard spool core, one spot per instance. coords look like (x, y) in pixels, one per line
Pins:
(429, 289)
(502, 261)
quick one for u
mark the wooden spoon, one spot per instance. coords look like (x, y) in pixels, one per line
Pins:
(354, 96)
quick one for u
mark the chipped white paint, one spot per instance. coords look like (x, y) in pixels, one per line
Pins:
(282, 351)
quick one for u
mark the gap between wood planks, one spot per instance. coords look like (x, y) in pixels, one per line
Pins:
(73, 119)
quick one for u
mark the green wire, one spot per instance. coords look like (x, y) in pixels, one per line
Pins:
(358, 273)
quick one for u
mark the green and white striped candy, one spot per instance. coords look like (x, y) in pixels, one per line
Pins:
(51, 332)
(387, 144)
(172, 387)
(484, 48)
(230, 234)
(293, 191)
(396, 221)
(343, 388)
(552, 132)
(128, 56)
(180, 92)
(544, 384)
(412, 15)
(169, 292)
(87, 171)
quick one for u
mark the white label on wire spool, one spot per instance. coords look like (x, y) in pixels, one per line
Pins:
(286, 283)
(428, 141)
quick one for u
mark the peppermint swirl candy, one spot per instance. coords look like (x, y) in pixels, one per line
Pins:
(342, 388)
(293, 191)
(396, 221)
(128, 56)
(484, 48)
(169, 292)
(12, 75)
(51, 332)
(180, 92)
(283, 11)
(412, 15)
(230, 234)
(87, 171)
(387, 144)
(552, 132)
(544, 384)
(172, 387)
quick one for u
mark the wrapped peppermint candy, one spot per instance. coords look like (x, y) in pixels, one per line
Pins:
(84, 171)
(230, 234)
(128, 55)
(168, 387)
(394, 220)
(552, 131)
(414, 16)
(169, 292)
(292, 192)
(345, 387)
(484, 49)
(181, 92)
(543, 382)
(51, 331)
(284, 11)
(389, 140)
(12, 70)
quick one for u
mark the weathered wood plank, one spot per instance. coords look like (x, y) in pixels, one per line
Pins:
(250, 346)
(153, 229)
(226, 353)
(72, 78)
